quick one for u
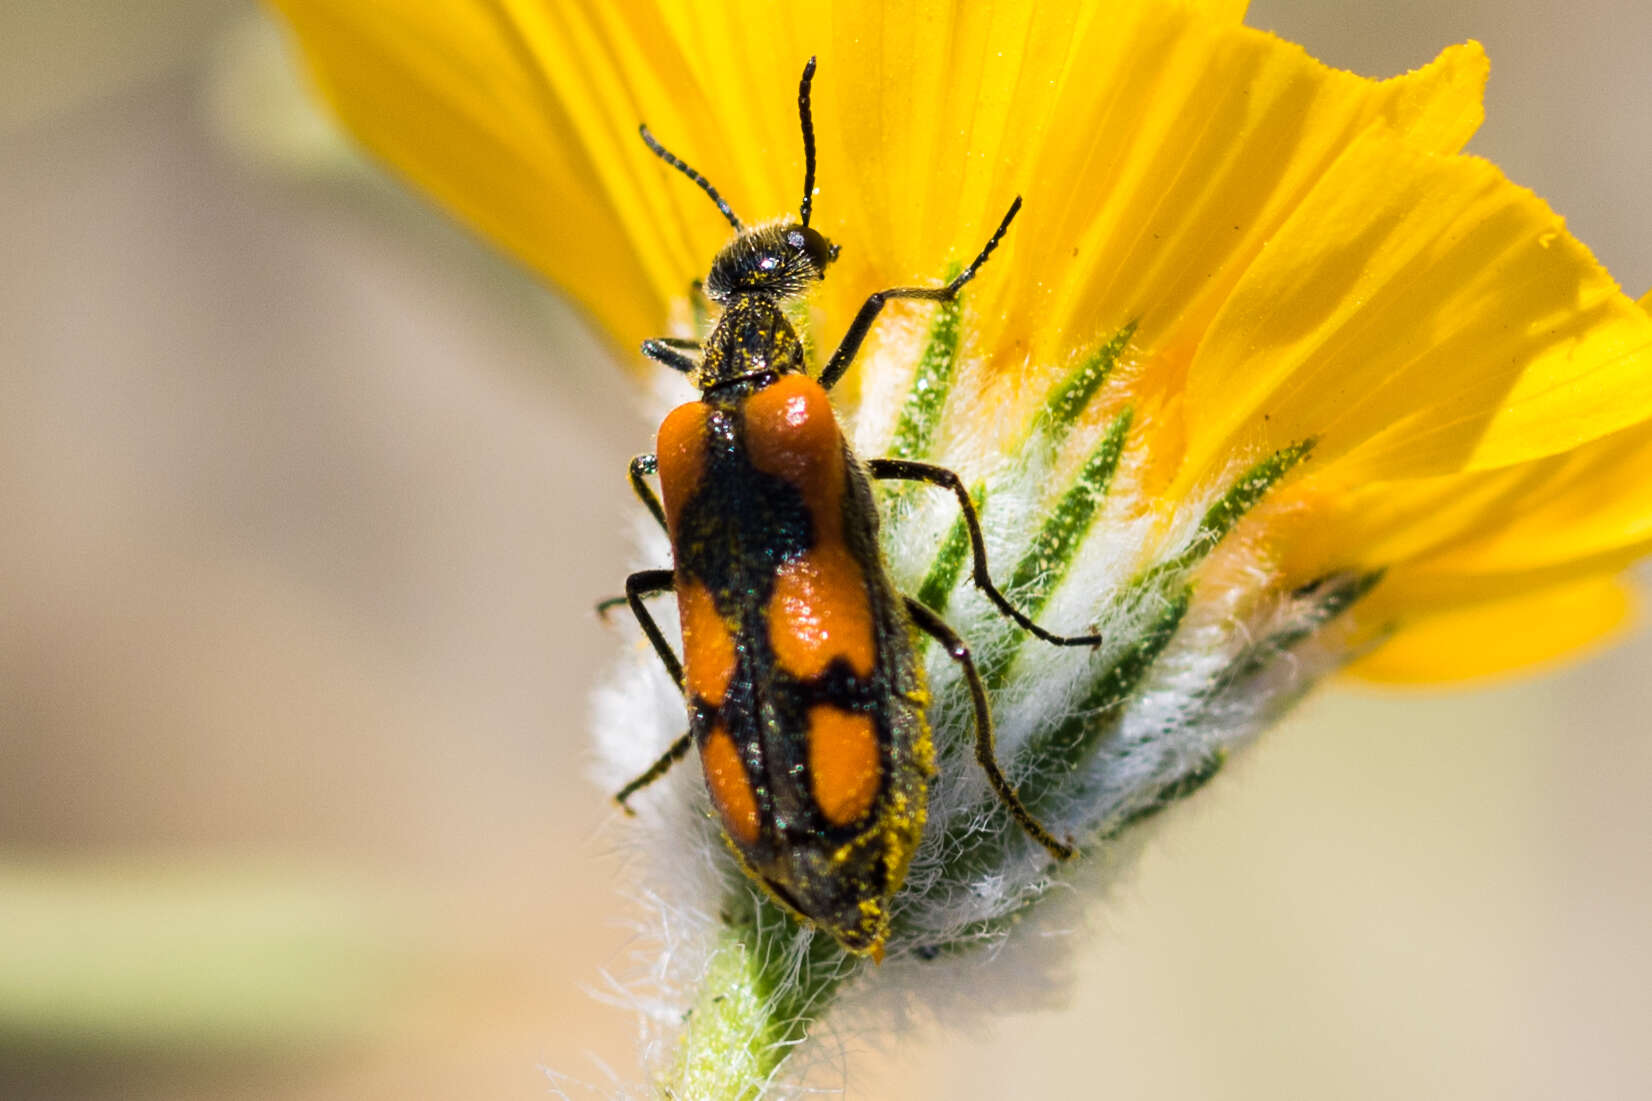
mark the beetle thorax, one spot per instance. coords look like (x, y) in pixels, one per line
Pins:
(753, 344)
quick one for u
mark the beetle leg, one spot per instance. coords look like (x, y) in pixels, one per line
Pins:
(649, 583)
(985, 753)
(642, 465)
(908, 470)
(671, 351)
(869, 310)
(659, 768)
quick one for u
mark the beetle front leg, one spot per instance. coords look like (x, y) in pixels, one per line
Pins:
(869, 310)
(672, 352)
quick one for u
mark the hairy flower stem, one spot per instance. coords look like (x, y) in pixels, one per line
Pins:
(768, 980)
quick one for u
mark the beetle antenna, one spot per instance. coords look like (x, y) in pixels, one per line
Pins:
(808, 140)
(677, 162)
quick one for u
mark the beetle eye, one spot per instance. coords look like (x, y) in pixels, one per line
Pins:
(796, 240)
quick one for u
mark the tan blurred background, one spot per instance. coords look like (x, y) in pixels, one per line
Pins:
(306, 498)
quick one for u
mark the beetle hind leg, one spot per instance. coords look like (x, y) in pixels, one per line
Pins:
(679, 749)
(986, 754)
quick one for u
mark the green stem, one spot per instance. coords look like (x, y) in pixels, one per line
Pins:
(769, 979)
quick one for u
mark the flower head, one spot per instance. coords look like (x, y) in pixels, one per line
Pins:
(1268, 381)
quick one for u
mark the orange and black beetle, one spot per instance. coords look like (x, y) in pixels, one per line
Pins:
(804, 684)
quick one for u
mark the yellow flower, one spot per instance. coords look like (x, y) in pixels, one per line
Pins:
(1346, 396)
(1303, 251)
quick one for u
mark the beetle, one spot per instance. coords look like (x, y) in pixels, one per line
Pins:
(801, 668)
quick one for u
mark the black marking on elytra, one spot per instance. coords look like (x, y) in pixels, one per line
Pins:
(741, 524)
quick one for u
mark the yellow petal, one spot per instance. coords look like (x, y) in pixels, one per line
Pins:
(1501, 636)
(1418, 315)
(521, 115)
(436, 91)
(1220, 11)
(1179, 155)
(1302, 252)
(1579, 506)
(1591, 501)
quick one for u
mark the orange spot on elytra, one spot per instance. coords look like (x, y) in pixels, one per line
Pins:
(845, 764)
(708, 645)
(729, 785)
(819, 611)
(791, 432)
(681, 451)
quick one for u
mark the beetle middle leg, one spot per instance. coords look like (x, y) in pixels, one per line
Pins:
(642, 584)
(909, 470)
(651, 583)
(986, 753)
(646, 583)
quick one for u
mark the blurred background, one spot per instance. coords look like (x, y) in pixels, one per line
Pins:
(305, 500)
